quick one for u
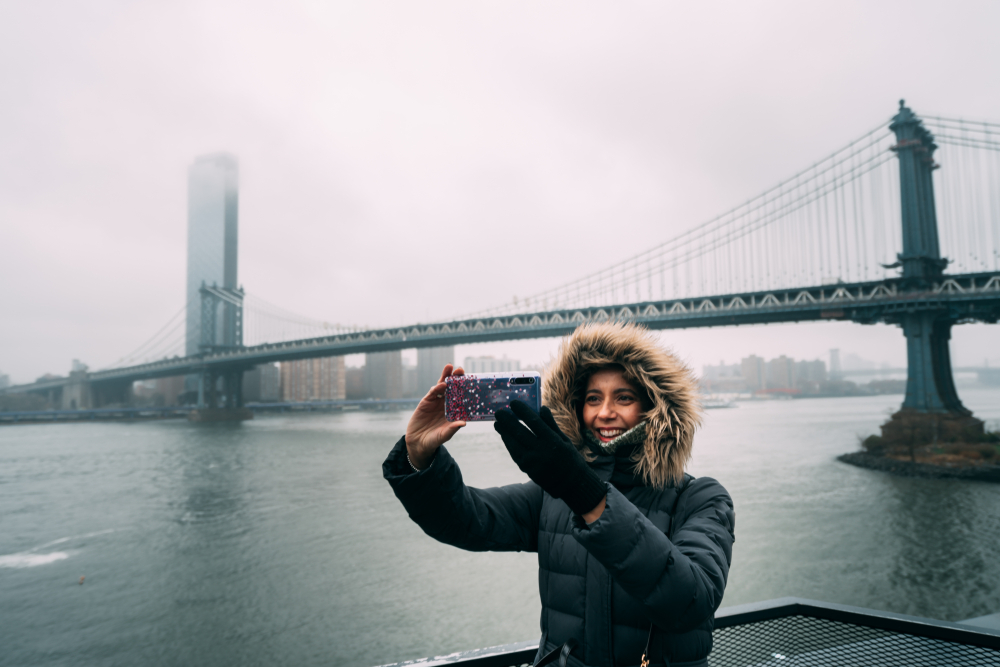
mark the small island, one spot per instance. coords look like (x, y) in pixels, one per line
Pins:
(918, 444)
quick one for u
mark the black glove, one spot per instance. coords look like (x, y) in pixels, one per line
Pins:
(548, 457)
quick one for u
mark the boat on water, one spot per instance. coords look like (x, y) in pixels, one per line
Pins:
(715, 402)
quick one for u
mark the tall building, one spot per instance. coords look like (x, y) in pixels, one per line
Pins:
(213, 189)
(835, 369)
(384, 374)
(810, 371)
(781, 373)
(356, 383)
(430, 361)
(262, 384)
(322, 379)
(490, 365)
(410, 388)
(753, 371)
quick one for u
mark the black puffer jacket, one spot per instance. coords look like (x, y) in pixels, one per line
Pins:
(659, 553)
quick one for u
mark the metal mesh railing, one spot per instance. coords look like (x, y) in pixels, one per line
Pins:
(792, 632)
(802, 641)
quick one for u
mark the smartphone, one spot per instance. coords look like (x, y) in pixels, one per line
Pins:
(476, 397)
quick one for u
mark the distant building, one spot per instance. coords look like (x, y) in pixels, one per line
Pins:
(430, 361)
(722, 378)
(4, 381)
(356, 387)
(835, 369)
(263, 384)
(409, 386)
(490, 365)
(754, 373)
(781, 373)
(322, 379)
(384, 374)
(213, 194)
(722, 370)
(810, 371)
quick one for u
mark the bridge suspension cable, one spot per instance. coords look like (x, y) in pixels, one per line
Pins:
(166, 342)
(834, 221)
(968, 187)
(264, 322)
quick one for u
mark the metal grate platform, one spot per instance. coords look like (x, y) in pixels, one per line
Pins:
(793, 632)
(801, 641)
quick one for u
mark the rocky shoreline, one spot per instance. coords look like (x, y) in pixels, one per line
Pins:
(982, 473)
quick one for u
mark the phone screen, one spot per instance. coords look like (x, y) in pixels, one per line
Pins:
(478, 396)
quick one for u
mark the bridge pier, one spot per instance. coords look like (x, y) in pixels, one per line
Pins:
(930, 386)
(931, 409)
(224, 406)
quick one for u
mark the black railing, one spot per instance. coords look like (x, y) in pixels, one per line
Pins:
(792, 632)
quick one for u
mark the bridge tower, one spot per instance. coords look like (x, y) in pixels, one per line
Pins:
(930, 387)
(221, 330)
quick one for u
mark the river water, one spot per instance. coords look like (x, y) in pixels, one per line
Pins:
(276, 541)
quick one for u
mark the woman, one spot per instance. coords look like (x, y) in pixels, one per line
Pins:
(633, 553)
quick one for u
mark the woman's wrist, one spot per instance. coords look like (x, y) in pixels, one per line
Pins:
(595, 514)
(421, 468)
(419, 459)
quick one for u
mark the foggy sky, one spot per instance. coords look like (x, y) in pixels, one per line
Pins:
(388, 148)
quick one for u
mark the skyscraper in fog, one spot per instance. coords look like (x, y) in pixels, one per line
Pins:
(384, 374)
(430, 361)
(213, 225)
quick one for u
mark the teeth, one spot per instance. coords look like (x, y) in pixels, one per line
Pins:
(611, 433)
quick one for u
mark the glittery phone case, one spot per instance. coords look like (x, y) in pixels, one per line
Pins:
(477, 396)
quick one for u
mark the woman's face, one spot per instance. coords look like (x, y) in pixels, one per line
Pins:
(611, 405)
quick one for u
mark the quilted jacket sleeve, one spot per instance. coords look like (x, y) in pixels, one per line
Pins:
(680, 581)
(497, 519)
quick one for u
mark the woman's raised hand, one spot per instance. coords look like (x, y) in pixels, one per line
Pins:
(428, 429)
(549, 458)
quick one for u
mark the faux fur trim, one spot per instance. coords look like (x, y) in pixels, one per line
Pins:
(670, 387)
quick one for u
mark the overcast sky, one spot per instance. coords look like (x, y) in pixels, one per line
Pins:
(389, 150)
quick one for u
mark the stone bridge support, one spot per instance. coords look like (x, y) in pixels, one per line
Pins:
(77, 394)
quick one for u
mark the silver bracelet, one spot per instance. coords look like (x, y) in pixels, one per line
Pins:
(415, 468)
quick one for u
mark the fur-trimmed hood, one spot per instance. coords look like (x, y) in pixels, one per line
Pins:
(669, 385)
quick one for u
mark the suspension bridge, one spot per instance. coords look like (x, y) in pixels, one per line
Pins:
(874, 232)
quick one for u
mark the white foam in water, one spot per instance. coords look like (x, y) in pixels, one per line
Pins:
(31, 560)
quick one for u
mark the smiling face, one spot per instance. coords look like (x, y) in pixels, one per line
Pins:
(611, 405)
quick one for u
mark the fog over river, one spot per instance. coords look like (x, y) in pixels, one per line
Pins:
(276, 541)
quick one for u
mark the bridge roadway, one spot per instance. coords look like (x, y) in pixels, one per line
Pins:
(965, 297)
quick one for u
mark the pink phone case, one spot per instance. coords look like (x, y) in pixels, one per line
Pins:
(477, 397)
